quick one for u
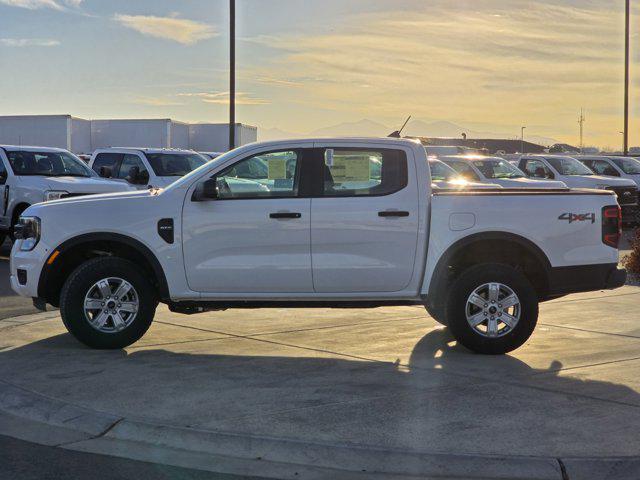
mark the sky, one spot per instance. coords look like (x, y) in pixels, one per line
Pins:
(488, 65)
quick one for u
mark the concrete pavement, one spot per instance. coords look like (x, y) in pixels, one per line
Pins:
(284, 393)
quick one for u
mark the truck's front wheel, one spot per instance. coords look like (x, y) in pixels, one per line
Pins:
(107, 303)
(492, 309)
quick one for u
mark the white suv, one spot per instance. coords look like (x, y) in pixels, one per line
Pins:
(145, 167)
(30, 175)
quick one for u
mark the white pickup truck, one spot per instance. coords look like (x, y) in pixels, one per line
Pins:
(331, 222)
(145, 167)
(31, 175)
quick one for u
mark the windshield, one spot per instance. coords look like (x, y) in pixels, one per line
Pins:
(442, 172)
(569, 166)
(630, 166)
(496, 168)
(175, 164)
(49, 164)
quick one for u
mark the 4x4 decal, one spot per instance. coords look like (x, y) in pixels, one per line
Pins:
(578, 217)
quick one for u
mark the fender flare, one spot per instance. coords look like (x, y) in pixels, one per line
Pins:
(436, 287)
(138, 246)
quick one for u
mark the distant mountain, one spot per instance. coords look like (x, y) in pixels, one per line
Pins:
(417, 128)
(266, 134)
(363, 128)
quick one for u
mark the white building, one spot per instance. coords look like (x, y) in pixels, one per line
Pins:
(84, 136)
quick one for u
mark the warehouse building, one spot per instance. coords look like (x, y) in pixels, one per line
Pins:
(84, 136)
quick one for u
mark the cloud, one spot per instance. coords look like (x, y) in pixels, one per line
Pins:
(222, 98)
(28, 42)
(499, 62)
(156, 102)
(179, 30)
(37, 4)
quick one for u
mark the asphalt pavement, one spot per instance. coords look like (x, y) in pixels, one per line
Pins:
(20, 460)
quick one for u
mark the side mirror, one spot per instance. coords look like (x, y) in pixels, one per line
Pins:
(105, 172)
(207, 190)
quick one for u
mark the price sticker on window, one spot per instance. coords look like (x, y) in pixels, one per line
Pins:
(277, 169)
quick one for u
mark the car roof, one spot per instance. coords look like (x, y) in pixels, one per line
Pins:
(143, 149)
(25, 148)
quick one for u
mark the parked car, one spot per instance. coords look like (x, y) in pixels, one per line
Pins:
(496, 170)
(30, 175)
(145, 167)
(444, 177)
(479, 261)
(577, 175)
(622, 167)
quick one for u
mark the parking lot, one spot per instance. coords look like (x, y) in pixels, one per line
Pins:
(288, 392)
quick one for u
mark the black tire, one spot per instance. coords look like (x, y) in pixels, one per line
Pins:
(437, 314)
(466, 284)
(81, 281)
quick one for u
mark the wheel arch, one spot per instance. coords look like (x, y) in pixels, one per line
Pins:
(503, 247)
(76, 250)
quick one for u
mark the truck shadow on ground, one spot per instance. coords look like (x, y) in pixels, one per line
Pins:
(443, 395)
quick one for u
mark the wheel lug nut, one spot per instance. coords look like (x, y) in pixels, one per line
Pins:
(486, 305)
(102, 304)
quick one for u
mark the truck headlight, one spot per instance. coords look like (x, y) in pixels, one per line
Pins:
(27, 230)
(54, 195)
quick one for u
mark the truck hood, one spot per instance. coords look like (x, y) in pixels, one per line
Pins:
(528, 183)
(100, 197)
(85, 185)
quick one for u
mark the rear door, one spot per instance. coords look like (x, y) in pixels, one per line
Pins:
(364, 219)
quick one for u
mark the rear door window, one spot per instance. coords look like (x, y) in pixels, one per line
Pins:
(130, 161)
(360, 172)
(106, 160)
(537, 169)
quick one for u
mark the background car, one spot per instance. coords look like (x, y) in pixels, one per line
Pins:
(495, 170)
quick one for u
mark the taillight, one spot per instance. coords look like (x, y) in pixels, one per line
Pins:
(611, 225)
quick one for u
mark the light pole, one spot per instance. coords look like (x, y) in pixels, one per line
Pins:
(626, 76)
(522, 129)
(232, 74)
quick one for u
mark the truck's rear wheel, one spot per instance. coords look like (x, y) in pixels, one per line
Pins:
(107, 303)
(492, 309)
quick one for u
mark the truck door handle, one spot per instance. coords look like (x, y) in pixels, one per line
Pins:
(280, 215)
(393, 213)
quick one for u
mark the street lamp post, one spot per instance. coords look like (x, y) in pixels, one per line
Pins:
(522, 139)
(232, 74)
(626, 76)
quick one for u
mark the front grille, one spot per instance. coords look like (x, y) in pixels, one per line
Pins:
(626, 195)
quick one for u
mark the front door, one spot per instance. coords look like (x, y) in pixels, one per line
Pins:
(364, 218)
(255, 237)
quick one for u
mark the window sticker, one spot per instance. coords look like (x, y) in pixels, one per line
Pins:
(277, 169)
(351, 169)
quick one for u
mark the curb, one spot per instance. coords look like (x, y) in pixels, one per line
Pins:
(34, 417)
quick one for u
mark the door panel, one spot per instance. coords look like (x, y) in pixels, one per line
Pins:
(364, 240)
(256, 236)
(235, 246)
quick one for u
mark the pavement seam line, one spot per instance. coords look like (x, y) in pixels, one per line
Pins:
(563, 469)
(585, 330)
